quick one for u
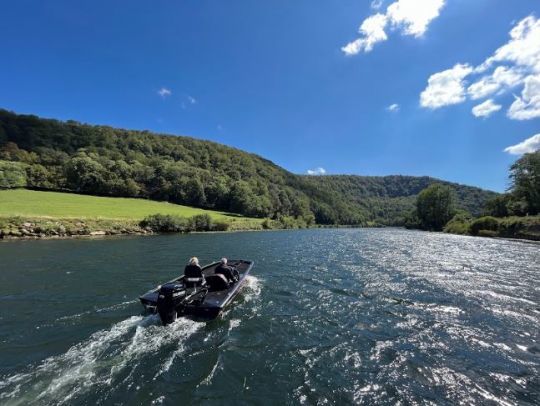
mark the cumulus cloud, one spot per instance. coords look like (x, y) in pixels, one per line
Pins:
(523, 49)
(516, 64)
(527, 106)
(164, 92)
(529, 145)
(414, 16)
(316, 171)
(486, 109)
(394, 108)
(409, 17)
(446, 87)
(372, 30)
(503, 78)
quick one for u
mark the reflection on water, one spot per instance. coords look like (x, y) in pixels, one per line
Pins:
(328, 316)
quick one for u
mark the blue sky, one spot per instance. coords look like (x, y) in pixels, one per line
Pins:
(278, 79)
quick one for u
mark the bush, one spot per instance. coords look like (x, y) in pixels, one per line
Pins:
(484, 223)
(200, 222)
(166, 223)
(221, 226)
(460, 224)
(520, 227)
(289, 222)
(411, 220)
(487, 233)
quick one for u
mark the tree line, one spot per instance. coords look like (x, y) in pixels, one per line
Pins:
(100, 160)
(502, 215)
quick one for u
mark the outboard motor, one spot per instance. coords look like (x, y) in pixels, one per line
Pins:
(170, 297)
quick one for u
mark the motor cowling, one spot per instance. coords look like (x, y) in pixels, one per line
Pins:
(170, 297)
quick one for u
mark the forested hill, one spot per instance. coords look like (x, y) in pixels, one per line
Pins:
(389, 198)
(100, 160)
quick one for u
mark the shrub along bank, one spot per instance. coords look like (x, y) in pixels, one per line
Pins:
(42, 227)
(508, 227)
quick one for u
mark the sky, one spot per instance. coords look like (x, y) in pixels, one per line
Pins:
(443, 88)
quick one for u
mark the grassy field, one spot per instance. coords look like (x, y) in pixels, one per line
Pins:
(30, 203)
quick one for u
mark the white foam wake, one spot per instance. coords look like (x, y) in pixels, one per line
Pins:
(252, 287)
(106, 356)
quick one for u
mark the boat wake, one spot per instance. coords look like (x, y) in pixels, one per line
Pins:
(97, 310)
(252, 288)
(108, 358)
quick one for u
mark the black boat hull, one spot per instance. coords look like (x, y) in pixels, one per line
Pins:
(214, 301)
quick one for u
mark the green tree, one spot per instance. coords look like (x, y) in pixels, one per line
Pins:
(497, 206)
(12, 175)
(38, 177)
(435, 207)
(83, 174)
(240, 197)
(525, 178)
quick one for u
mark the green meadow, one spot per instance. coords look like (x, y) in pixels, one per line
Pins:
(31, 203)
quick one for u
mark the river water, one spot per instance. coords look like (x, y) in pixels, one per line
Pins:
(355, 316)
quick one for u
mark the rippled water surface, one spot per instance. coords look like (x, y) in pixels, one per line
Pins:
(327, 317)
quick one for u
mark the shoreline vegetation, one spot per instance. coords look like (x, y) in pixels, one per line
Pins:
(34, 214)
(30, 214)
(514, 227)
(71, 179)
(17, 227)
(71, 157)
(515, 214)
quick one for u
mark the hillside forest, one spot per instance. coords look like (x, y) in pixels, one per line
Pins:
(47, 154)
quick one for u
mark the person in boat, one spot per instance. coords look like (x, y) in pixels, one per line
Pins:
(227, 271)
(193, 275)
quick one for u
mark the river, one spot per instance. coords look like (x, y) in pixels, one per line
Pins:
(347, 316)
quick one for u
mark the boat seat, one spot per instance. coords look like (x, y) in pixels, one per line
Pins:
(217, 282)
(194, 282)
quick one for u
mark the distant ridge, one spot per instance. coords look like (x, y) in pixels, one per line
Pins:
(55, 155)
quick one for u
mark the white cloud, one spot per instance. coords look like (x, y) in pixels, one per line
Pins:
(376, 4)
(394, 108)
(191, 99)
(523, 49)
(414, 16)
(527, 106)
(446, 87)
(486, 109)
(529, 145)
(164, 92)
(372, 30)
(316, 171)
(503, 78)
(410, 17)
(515, 64)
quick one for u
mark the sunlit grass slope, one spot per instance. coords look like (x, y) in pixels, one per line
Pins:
(30, 203)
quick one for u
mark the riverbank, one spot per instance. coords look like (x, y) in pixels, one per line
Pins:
(35, 214)
(17, 227)
(33, 228)
(522, 228)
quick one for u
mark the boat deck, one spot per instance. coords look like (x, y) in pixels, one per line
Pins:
(213, 300)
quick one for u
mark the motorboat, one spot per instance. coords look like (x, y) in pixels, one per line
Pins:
(207, 300)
